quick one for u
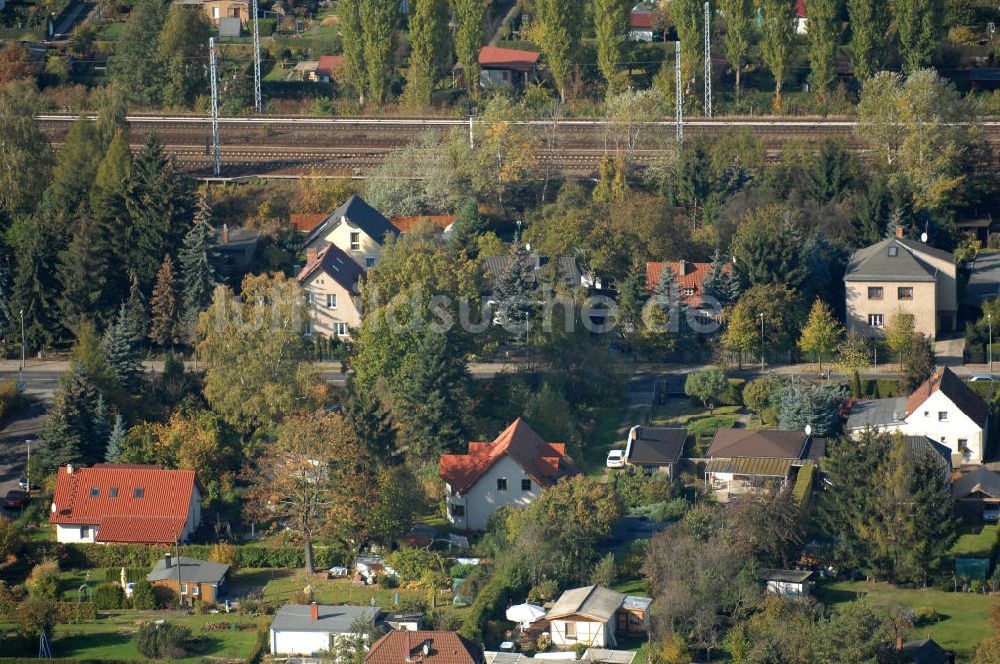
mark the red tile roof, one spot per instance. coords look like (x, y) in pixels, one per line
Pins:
(331, 65)
(945, 380)
(306, 222)
(545, 462)
(642, 20)
(686, 275)
(492, 57)
(406, 223)
(402, 646)
(156, 517)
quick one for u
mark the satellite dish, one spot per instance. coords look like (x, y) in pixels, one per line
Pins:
(809, 429)
(923, 238)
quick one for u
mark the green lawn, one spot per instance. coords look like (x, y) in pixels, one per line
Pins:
(632, 587)
(699, 422)
(976, 540)
(965, 615)
(111, 637)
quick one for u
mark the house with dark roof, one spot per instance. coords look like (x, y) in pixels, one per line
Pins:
(506, 67)
(423, 647)
(943, 409)
(561, 271)
(926, 651)
(749, 460)
(356, 228)
(977, 494)
(898, 274)
(592, 615)
(655, 449)
(192, 579)
(331, 282)
(787, 582)
(308, 629)
(512, 470)
(121, 503)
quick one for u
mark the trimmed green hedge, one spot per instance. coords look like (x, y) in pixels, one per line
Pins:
(144, 557)
(75, 612)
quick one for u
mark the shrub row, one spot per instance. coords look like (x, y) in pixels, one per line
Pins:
(75, 612)
(144, 557)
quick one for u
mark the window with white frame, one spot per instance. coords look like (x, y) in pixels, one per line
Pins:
(942, 416)
(355, 241)
(331, 300)
(341, 329)
(184, 588)
(369, 262)
(876, 321)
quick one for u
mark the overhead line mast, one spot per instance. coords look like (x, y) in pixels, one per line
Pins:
(215, 106)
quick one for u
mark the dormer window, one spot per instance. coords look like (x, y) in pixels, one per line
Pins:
(893, 251)
(113, 492)
(139, 492)
(95, 492)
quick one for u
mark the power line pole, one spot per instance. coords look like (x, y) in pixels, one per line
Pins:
(257, 99)
(708, 61)
(215, 105)
(678, 92)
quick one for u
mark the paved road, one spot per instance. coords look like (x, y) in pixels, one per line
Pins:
(13, 447)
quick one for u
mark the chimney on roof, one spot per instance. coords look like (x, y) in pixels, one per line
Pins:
(684, 267)
(69, 469)
(899, 644)
(314, 611)
(225, 233)
(168, 561)
(310, 255)
(426, 648)
(899, 232)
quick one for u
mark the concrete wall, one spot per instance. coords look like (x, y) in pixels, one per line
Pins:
(483, 499)
(69, 534)
(923, 306)
(194, 514)
(324, 320)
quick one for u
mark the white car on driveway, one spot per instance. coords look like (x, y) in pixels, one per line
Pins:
(616, 459)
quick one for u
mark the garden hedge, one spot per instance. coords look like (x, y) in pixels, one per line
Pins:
(75, 612)
(144, 557)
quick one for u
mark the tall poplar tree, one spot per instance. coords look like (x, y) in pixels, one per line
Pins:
(777, 42)
(378, 22)
(918, 23)
(824, 37)
(557, 30)
(869, 26)
(739, 33)
(429, 40)
(469, 17)
(611, 22)
(354, 47)
(689, 20)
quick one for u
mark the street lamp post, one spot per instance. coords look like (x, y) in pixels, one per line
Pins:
(762, 341)
(518, 230)
(989, 321)
(20, 371)
(27, 471)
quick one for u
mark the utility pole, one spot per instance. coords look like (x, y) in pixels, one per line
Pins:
(762, 342)
(989, 318)
(257, 99)
(708, 60)
(678, 92)
(20, 370)
(215, 106)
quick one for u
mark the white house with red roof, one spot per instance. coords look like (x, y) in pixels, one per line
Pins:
(511, 470)
(121, 503)
(943, 409)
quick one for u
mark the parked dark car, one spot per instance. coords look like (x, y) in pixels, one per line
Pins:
(14, 500)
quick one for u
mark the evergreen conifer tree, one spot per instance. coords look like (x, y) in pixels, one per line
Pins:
(716, 283)
(165, 328)
(115, 440)
(7, 316)
(102, 420)
(197, 269)
(514, 291)
(136, 316)
(82, 272)
(371, 423)
(35, 290)
(469, 225)
(121, 353)
(71, 434)
(434, 391)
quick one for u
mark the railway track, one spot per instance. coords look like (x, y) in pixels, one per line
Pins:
(288, 146)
